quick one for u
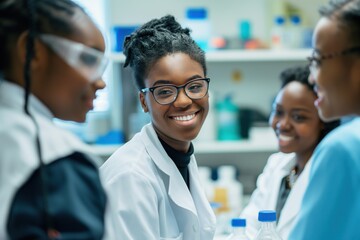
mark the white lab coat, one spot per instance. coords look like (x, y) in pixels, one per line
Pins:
(19, 158)
(152, 198)
(266, 193)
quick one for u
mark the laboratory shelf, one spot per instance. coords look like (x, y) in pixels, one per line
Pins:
(206, 147)
(261, 55)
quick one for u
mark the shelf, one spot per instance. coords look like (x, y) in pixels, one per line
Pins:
(207, 147)
(245, 55)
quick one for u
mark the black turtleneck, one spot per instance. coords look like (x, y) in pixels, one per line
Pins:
(180, 159)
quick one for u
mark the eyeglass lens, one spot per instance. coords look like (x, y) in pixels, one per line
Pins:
(167, 94)
(314, 68)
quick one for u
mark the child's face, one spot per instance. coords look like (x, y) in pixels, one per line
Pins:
(62, 88)
(295, 119)
(179, 122)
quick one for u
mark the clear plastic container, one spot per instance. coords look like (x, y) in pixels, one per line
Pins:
(197, 20)
(278, 33)
(238, 230)
(295, 32)
(267, 219)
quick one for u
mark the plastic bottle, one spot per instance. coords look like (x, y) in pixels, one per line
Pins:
(234, 188)
(197, 21)
(295, 32)
(267, 230)
(238, 230)
(206, 181)
(278, 33)
(229, 193)
(228, 120)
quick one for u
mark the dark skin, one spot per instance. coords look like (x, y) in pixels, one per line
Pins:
(338, 81)
(296, 122)
(67, 94)
(180, 122)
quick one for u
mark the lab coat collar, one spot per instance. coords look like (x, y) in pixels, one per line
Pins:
(65, 143)
(15, 93)
(284, 169)
(293, 203)
(177, 189)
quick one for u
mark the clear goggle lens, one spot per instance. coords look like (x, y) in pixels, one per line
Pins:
(89, 62)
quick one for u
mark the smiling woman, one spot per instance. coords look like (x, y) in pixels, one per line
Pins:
(299, 130)
(154, 177)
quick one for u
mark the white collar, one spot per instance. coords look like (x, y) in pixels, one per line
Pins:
(13, 95)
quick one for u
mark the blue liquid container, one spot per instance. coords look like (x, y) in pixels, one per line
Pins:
(228, 120)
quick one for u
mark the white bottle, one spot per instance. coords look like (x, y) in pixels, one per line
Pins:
(238, 229)
(295, 32)
(228, 193)
(267, 231)
(206, 181)
(232, 188)
(197, 20)
(278, 33)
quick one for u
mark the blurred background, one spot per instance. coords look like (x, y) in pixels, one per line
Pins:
(248, 43)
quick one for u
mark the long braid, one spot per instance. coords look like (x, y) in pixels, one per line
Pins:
(30, 53)
(29, 50)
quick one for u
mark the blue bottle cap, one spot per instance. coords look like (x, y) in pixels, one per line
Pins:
(196, 13)
(238, 222)
(267, 216)
(295, 19)
(279, 20)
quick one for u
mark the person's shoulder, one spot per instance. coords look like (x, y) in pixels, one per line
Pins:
(131, 158)
(16, 127)
(345, 136)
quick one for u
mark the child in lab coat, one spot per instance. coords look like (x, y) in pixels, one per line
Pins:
(330, 208)
(52, 60)
(299, 129)
(154, 177)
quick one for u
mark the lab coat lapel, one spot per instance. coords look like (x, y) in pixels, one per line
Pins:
(293, 203)
(176, 186)
(282, 172)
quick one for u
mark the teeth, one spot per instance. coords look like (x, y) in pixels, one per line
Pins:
(184, 118)
(285, 138)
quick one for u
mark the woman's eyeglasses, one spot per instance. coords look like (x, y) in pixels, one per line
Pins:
(167, 93)
(316, 59)
(89, 62)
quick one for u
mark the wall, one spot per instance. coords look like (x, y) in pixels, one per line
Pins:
(224, 15)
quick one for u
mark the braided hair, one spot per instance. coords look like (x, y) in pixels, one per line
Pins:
(347, 12)
(156, 39)
(301, 74)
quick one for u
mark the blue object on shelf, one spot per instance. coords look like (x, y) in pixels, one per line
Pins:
(120, 32)
(112, 137)
(196, 13)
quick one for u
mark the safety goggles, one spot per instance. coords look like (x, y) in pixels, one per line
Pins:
(89, 62)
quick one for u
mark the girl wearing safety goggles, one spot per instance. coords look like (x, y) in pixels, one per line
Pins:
(52, 60)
